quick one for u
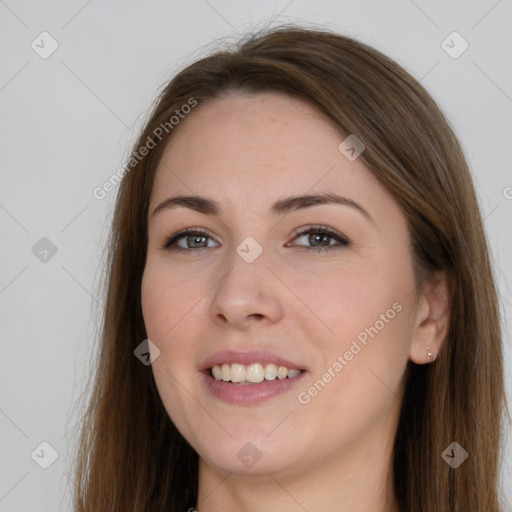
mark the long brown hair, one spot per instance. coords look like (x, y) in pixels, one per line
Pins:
(131, 456)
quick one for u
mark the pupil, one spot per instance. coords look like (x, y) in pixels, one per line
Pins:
(315, 237)
(195, 239)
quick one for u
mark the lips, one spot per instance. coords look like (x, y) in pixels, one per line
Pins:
(265, 375)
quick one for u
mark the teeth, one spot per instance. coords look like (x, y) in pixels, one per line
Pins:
(226, 372)
(255, 372)
(217, 372)
(238, 373)
(270, 371)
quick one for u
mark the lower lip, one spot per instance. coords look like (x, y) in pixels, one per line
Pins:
(249, 393)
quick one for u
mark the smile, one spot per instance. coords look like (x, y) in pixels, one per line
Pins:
(247, 377)
(252, 373)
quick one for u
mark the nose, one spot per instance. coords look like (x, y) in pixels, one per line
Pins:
(247, 294)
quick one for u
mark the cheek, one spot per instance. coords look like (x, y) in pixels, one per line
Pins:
(170, 305)
(175, 308)
(359, 385)
(365, 355)
(168, 299)
(350, 301)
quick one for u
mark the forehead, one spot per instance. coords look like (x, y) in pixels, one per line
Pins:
(238, 131)
(254, 149)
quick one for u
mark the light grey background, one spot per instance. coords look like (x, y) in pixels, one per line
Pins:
(67, 125)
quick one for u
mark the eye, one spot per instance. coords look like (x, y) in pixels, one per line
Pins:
(187, 239)
(321, 237)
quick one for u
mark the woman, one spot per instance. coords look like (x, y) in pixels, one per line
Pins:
(298, 252)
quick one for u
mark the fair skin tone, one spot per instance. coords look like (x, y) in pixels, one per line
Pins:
(333, 452)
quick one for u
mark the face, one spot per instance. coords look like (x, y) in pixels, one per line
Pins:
(283, 325)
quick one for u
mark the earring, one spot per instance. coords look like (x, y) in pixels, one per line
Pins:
(429, 354)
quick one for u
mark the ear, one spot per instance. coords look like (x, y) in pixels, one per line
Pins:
(432, 321)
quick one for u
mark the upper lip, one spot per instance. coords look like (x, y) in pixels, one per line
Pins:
(247, 357)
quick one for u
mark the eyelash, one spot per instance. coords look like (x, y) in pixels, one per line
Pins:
(343, 242)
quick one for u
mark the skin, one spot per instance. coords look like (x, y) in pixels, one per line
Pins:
(333, 453)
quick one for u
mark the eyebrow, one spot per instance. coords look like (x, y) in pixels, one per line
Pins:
(281, 207)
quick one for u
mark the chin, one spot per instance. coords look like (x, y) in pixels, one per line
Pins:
(249, 460)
